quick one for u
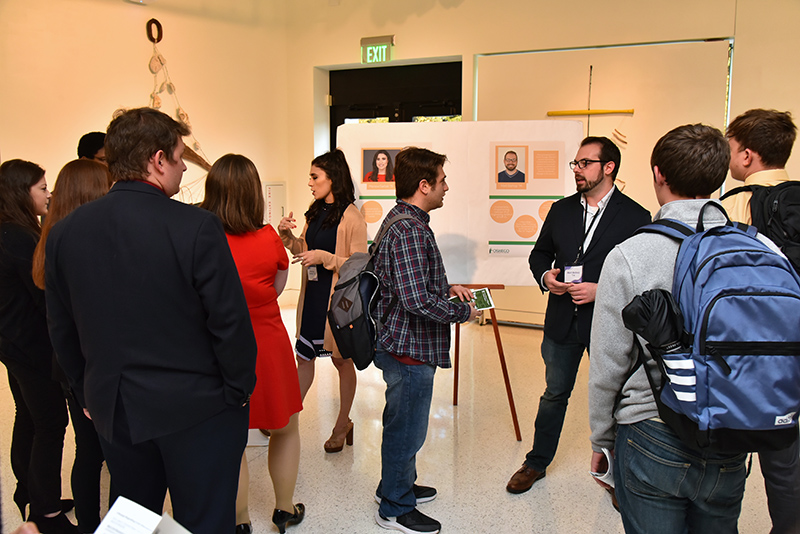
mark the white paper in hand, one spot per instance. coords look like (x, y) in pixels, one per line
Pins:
(128, 517)
(608, 476)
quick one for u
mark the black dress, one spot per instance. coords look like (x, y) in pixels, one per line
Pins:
(315, 304)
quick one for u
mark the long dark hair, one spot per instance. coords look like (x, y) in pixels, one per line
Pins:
(389, 166)
(344, 193)
(233, 193)
(79, 182)
(16, 205)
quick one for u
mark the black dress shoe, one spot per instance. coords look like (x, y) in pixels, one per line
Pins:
(281, 518)
(523, 479)
(54, 525)
(244, 528)
(22, 500)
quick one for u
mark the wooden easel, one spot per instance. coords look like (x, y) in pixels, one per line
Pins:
(500, 353)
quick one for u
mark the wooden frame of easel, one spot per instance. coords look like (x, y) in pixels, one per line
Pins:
(500, 353)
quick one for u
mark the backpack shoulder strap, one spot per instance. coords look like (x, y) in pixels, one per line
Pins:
(668, 227)
(378, 238)
(740, 189)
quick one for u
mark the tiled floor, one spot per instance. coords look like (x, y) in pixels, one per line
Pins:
(470, 453)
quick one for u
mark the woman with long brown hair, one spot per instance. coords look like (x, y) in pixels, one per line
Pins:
(233, 193)
(334, 229)
(37, 440)
(79, 181)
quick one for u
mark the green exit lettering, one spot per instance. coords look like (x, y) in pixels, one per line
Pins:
(376, 54)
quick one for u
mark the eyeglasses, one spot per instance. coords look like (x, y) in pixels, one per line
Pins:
(581, 164)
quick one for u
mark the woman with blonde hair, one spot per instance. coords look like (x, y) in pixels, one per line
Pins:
(233, 193)
(79, 181)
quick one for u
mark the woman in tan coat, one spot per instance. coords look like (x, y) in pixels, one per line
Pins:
(334, 230)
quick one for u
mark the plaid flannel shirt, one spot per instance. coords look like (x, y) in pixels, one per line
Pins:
(409, 266)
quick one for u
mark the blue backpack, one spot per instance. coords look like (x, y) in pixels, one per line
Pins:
(733, 385)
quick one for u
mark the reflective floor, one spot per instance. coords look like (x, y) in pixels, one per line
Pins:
(470, 453)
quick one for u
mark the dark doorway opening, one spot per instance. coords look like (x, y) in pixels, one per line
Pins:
(395, 94)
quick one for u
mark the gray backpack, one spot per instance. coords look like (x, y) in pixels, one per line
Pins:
(354, 299)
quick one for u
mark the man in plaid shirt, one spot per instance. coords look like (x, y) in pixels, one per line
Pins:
(415, 339)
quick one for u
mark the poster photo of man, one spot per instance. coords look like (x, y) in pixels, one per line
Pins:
(511, 165)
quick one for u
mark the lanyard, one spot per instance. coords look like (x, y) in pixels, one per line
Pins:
(587, 230)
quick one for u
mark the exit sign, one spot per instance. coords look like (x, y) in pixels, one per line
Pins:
(377, 49)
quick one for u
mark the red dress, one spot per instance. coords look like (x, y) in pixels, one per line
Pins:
(258, 256)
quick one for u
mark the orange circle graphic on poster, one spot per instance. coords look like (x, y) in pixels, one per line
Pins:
(526, 226)
(501, 211)
(372, 211)
(544, 209)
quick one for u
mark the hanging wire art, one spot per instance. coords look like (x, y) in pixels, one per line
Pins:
(163, 88)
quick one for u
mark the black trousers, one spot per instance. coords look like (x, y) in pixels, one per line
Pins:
(86, 470)
(199, 465)
(37, 441)
(781, 471)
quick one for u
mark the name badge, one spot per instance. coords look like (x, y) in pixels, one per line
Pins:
(573, 274)
(312, 273)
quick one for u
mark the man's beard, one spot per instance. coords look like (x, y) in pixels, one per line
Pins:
(588, 185)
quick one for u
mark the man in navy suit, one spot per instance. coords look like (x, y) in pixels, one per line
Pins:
(150, 324)
(577, 234)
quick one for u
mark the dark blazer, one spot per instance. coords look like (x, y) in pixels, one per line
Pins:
(23, 322)
(560, 240)
(145, 304)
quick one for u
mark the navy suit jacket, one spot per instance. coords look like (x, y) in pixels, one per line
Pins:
(145, 305)
(559, 241)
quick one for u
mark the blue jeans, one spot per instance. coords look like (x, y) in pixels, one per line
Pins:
(409, 389)
(561, 362)
(665, 487)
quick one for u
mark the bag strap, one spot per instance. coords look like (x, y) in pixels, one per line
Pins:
(740, 189)
(642, 362)
(382, 232)
(668, 227)
(374, 250)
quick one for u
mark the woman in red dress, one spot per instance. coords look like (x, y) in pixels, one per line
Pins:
(233, 193)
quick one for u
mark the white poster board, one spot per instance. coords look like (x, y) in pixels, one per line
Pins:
(489, 223)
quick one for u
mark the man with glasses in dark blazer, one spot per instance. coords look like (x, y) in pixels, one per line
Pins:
(578, 233)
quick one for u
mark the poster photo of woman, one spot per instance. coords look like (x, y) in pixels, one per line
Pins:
(378, 165)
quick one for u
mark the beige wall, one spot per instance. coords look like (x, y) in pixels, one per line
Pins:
(252, 73)
(66, 65)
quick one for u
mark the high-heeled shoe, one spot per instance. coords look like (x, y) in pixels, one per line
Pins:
(336, 442)
(22, 501)
(54, 525)
(281, 518)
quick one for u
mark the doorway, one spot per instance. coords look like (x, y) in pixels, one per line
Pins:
(394, 94)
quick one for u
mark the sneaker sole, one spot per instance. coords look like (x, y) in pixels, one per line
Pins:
(394, 525)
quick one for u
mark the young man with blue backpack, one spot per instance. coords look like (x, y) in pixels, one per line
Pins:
(674, 478)
(761, 142)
